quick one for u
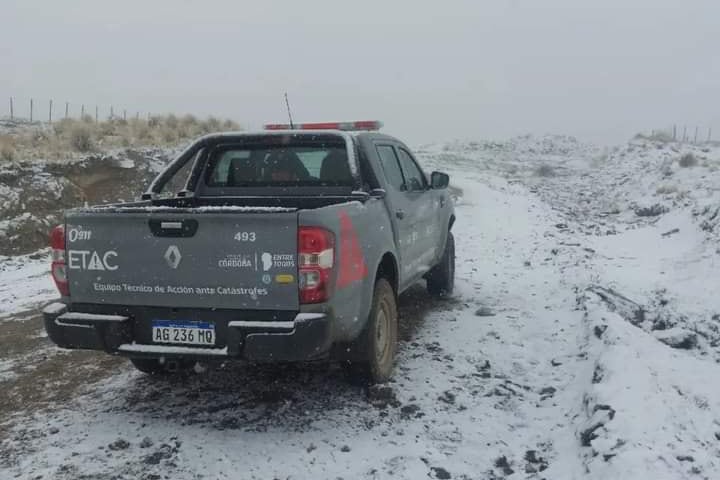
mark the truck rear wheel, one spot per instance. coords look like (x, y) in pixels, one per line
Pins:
(153, 366)
(441, 279)
(378, 341)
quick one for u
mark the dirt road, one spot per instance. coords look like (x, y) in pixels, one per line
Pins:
(483, 384)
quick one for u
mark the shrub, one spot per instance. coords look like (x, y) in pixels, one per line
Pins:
(142, 131)
(63, 126)
(168, 135)
(212, 124)
(688, 160)
(651, 211)
(230, 125)
(661, 136)
(182, 132)
(545, 171)
(7, 150)
(189, 120)
(107, 128)
(40, 136)
(171, 121)
(73, 135)
(81, 138)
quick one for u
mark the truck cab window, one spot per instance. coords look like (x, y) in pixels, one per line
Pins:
(391, 167)
(178, 181)
(414, 177)
(302, 164)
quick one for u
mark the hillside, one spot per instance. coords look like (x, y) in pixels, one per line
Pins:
(46, 168)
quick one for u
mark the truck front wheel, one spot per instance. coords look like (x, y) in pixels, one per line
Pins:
(378, 341)
(441, 279)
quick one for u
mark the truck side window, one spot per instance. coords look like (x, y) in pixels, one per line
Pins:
(177, 182)
(391, 167)
(413, 175)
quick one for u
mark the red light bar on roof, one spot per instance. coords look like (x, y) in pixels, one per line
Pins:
(346, 126)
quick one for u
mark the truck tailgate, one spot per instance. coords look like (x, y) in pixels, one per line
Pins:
(203, 260)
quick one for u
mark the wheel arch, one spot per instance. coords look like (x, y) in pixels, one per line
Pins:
(348, 349)
(388, 269)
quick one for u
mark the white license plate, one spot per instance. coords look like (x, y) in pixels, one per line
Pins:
(182, 332)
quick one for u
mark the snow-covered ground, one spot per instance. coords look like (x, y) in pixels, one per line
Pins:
(582, 342)
(24, 283)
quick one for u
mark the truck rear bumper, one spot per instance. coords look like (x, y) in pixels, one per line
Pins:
(307, 337)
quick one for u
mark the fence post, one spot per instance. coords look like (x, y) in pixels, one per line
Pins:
(12, 114)
(111, 112)
(31, 110)
(67, 108)
(50, 113)
(709, 134)
(124, 115)
(82, 112)
(696, 134)
(137, 116)
(684, 133)
(96, 114)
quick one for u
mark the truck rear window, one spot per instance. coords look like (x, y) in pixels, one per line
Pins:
(279, 165)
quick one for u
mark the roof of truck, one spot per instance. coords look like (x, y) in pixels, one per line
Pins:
(355, 128)
(260, 133)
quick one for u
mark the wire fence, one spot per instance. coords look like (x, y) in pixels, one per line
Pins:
(48, 110)
(684, 134)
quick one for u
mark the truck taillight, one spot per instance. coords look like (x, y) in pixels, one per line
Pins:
(58, 268)
(316, 258)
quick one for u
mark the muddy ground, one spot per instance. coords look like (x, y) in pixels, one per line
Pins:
(39, 377)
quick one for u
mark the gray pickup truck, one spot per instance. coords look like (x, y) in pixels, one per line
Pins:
(291, 244)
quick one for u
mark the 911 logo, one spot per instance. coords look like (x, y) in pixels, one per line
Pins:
(78, 233)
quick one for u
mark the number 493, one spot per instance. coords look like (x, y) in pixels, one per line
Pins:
(245, 236)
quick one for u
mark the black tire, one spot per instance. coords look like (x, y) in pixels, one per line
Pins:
(152, 366)
(441, 279)
(378, 341)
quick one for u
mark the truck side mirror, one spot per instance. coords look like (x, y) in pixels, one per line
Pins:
(439, 180)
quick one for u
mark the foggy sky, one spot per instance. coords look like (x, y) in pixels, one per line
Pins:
(598, 69)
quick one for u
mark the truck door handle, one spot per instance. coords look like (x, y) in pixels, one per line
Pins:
(400, 214)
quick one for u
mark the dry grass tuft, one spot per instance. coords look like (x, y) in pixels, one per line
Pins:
(7, 148)
(81, 138)
(688, 160)
(545, 171)
(66, 137)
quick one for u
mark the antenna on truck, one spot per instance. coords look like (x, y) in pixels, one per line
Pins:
(287, 104)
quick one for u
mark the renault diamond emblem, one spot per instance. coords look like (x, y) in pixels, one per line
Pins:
(172, 256)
